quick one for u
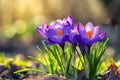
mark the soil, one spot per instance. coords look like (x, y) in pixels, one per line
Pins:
(43, 77)
(111, 73)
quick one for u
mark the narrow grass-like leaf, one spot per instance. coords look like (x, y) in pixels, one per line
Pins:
(25, 70)
(36, 60)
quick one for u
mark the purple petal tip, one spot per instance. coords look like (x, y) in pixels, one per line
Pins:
(103, 36)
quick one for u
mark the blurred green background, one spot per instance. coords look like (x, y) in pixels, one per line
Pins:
(19, 19)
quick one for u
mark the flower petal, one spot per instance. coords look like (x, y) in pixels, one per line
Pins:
(96, 32)
(59, 21)
(81, 30)
(70, 20)
(80, 27)
(74, 38)
(50, 33)
(65, 38)
(49, 42)
(89, 27)
(102, 36)
(99, 38)
(41, 32)
(52, 36)
(55, 40)
(52, 23)
(66, 30)
(58, 25)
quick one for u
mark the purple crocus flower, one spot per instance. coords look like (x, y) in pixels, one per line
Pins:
(42, 30)
(73, 37)
(89, 35)
(57, 32)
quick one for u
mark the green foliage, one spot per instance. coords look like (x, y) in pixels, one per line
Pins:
(6, 61)
(69, 60)
(55, 61)
(19, 61)
(92, 62)
(59, 61)
(30, 69)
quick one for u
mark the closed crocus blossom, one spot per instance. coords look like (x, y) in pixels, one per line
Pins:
(89, 35)
(57, 32)
(73, 37)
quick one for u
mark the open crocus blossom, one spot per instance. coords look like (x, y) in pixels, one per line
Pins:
(89, 35)
(57, 32)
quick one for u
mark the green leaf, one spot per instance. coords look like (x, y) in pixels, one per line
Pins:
(36, 59)
(32, 69)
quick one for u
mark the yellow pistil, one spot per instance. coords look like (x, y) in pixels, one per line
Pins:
(60, 32)
(89, 34)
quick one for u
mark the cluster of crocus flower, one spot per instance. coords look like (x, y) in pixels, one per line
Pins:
(62, 31)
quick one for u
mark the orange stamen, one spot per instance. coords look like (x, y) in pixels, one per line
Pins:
(89, 34)
(59, 32)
